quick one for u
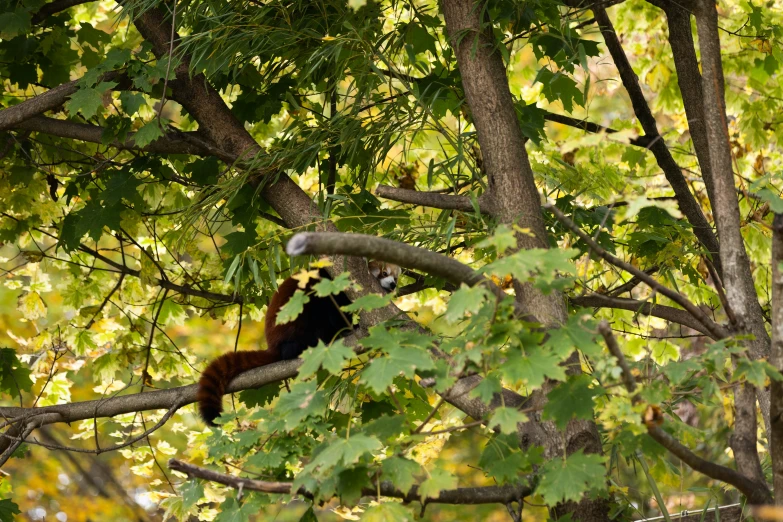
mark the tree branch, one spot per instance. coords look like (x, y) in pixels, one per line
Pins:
(51, 99)
(776, 359)
(434, 200)
(477, 495)
(53, 8)
(717, 331)
(372, 247)
(675, 315)
(757, 492)
(171, 143)
(642, 141)
(687, 203)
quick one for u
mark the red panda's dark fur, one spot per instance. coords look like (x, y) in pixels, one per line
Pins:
(320, 319)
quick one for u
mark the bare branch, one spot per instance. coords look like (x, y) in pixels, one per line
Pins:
(717, 331)
(372, 247)
(687, 203)
(478, 495)
(435, 200)
(172, 143)
(606, 332)
(642, 141)
(668, 313)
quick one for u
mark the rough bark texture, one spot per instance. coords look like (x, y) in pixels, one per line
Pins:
(737, 277)
(689, 80)
(515, 200)
(776, 359)
(685, 200)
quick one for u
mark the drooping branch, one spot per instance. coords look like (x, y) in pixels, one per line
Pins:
(669, 313)
(434, 199)
(171, 143)
(717, 331)
(685, 200)
(756, 491)
(478, 495)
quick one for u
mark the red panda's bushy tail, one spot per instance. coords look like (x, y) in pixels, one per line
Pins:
(215, 379)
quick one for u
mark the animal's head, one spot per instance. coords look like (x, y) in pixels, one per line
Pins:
(386, 274)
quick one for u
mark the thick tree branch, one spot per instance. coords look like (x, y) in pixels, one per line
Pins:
(675, 315)
(717, 331)
(689, 80)
(737, 276)
(172, 143)
(153, 400)
(687, 203)
(434, 199)
(478, 495)
(372, 247)
(756, 491)
(51, 99)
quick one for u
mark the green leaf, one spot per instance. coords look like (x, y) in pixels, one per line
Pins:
(232, 511)
(487, 388)
(260, 396)
(385, 427)
(439, 480)
(380, 373)
(572, 399)
(342, 452)
(329, 357)
(269, 459)
(304, 400)
(121, 185)
(388, 512)
(334, 286)
(464, 301)
(150, 132)
(558, 86)
(507, 419)
(369, 302)
(132, 102)
(14, 378)
(501, 240)
(88, 100)
(14, 23)
(401, 472)
(291, 310)
(192, 491)
(564, 480)
(172, 313)
(532, 368)
(8, 508)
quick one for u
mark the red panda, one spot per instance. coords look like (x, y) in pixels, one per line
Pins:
(320, 320)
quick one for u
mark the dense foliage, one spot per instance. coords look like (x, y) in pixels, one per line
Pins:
(146, 206)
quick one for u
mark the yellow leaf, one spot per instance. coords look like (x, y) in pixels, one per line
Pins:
(658, 76)
(762, 45)
(304, 276)
(32, 306)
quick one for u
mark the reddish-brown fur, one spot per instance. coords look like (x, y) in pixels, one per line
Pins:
(320, 320)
